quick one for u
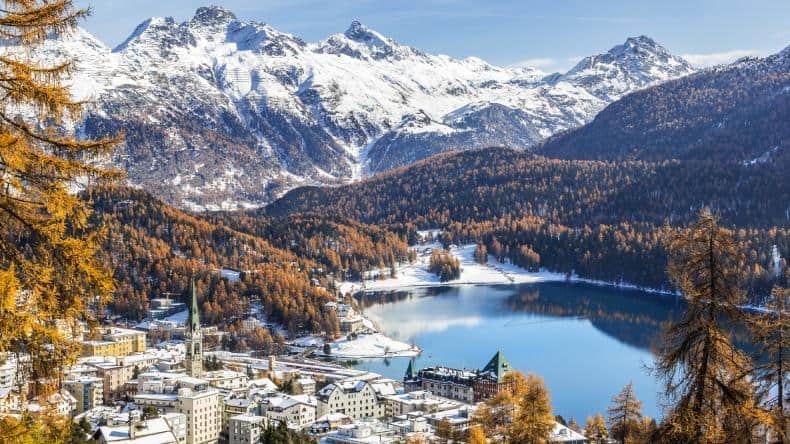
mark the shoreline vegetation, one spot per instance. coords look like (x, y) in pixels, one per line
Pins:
(418, 274)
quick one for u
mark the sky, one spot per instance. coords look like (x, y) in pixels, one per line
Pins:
(549, 35)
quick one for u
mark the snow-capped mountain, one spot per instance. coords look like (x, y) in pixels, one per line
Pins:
(221, 113)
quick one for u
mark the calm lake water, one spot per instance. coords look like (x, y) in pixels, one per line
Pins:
(586, 341)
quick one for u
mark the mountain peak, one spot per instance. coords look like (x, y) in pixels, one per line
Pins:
(355, 29)
(212, 15)
(360, 33)
(359, 41)
(638, 45)
(638, 62)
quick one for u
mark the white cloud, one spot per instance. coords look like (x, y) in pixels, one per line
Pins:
(718, 58)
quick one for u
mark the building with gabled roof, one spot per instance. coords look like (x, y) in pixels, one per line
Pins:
(353, 398)
(460, 384)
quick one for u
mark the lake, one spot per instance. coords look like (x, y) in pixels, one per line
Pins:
(586, 341)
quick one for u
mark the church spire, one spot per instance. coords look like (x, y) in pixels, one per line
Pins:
(194, 315)
(411, 374)
(193, 338)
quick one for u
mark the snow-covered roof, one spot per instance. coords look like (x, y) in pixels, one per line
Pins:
(152, 431)
(561, 433)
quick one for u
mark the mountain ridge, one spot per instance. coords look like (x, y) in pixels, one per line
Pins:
(222, 113)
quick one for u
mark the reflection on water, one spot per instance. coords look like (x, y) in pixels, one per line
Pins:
(586, 341)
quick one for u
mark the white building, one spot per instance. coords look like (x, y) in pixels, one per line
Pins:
(226, 380)
(155, 430)
(88, 392)
(420, 400)
(355, 399)
(564, 435)
(245, 429)
(297, 412)
(193, 397)
(367, 431)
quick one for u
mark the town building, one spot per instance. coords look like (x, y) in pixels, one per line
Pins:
(304, 386)
(115, 341)
(88, 392)
(563, 435)
(164, 307)
(461, 384)
(235, 407)
(419, 400)
(356, 399)
(295, 411)
(193, 397)
(366, 431)
(227, 380)
(246, 429)
(138, 431)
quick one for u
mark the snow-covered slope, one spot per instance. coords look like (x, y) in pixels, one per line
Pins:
(222, 113)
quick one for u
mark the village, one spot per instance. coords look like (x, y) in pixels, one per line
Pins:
(126, 389)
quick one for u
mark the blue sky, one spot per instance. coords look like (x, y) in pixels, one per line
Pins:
(550, 35)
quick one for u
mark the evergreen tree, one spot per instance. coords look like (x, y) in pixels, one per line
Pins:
(705, 374)
(772, 333)
(625, 415)
(48, 267)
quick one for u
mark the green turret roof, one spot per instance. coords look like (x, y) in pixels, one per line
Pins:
(410, 373)
(498, 365)
(193, 322)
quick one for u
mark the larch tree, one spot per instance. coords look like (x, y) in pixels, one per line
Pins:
(533, 420)
(49, 274)
(444, 431)
(705, 374)
(522, 413)
(625, 415)
(595, 430)
(476, 435)
(772, 334)
(573, 425)
(600, 426)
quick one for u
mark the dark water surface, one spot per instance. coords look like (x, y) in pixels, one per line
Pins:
(586, 341)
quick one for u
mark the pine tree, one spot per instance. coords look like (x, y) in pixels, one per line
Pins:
(704, 373)
(772, 333)
(48, 268)
(625, 414)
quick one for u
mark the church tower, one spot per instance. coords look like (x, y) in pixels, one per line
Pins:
(193, 339)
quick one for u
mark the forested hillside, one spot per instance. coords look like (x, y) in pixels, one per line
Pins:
(342, 247)
(153, 248)
(600, 220)
(492, 183)
(732, 113)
